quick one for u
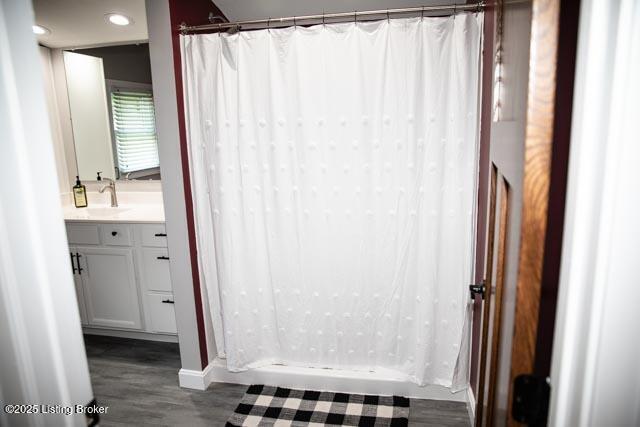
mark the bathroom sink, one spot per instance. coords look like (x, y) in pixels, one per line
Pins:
(106, 211)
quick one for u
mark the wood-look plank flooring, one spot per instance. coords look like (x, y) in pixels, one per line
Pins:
(138, 381)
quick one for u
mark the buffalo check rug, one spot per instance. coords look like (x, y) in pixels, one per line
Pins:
(276, 406)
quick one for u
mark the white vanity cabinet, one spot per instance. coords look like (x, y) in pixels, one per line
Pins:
(121, 272)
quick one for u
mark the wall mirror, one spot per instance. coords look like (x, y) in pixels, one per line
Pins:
(112, 112)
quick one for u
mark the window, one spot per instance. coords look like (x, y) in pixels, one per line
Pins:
(134, 129)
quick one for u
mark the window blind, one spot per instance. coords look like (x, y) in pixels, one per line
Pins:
(135, 130)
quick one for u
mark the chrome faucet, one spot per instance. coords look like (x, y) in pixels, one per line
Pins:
(111, 187)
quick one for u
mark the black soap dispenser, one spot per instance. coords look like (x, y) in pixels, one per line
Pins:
(79, 194)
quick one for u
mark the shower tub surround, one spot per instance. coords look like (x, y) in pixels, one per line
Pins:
(334, 172)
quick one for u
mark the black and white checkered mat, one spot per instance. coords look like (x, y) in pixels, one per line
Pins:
(276, 406)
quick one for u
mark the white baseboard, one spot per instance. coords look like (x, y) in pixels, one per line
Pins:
(471, 406)
(130, 334)
(316, 379)
(197, 380)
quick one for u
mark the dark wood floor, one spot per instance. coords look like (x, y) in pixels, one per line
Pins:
(138, 381)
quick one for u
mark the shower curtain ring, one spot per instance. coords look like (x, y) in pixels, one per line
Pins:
(355, 17)
(295, 25)
(455, 9)
(269, 24)
(388, 19)
(422, 14)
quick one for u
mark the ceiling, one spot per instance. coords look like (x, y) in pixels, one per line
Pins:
(239, 10)
(82, 23)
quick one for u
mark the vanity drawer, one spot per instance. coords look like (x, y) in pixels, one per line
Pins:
(154, 235)
(161, 313)
(83, 234)
(155, 263)
(116, 235)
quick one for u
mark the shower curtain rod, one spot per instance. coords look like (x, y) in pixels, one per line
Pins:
(294, 20)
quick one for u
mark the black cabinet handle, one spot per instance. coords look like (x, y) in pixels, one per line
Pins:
(162, 257)
(73, 266)
(161, 234)
(167, 301)
(78, 260)
(114, 233)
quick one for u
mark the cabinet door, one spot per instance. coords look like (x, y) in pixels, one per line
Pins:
(80, 297)
(110, 289)
(77, 281)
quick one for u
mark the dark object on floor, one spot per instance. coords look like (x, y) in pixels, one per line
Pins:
(266, 405)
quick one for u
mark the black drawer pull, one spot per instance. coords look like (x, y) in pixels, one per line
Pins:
(73, 266)
(80, 269)
(114, 233)
(167, 301)
(161, 234)
(163, 257)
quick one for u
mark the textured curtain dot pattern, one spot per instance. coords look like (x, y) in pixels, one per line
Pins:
(334, 181)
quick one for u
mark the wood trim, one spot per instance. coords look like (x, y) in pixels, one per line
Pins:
(565, 76)
(483, 184)
(535, 191)
(487, 302)
(496, 336)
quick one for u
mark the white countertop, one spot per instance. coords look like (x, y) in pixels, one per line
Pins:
(123, 213)
(132, 207)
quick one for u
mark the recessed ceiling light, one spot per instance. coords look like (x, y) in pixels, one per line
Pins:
(118, 19)
(40, 30)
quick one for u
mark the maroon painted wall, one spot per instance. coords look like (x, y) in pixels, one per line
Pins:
(483, 184)
(192, 12)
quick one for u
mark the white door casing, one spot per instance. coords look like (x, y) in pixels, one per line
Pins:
(42, 358)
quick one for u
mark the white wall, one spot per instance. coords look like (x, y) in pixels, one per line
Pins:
(507, 153)
(595, 378)
(64, 183)
(64, 118)
(89, 115)
(42, 357)
(162, 73)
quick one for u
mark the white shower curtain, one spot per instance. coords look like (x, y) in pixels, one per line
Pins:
(334, 182)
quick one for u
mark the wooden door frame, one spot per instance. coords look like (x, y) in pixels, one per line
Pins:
(483, 208)
(548, 131)
(486, 305)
